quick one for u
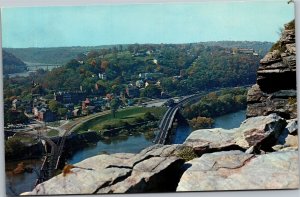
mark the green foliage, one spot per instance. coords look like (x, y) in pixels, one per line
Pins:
(290, 25)
(14, 117)
(12, 64)
(131, 116)
(278, 46)
(73, 64)
(149, 116)
(187, 153)
(54, 105)
(201, 122)
(14, 148)
(49, 96)
(202, 66)
(52, 133)
(138, 120)
(292, 101)
(38, 90)
(149, 135)
(62, 111)
(114, 106)
(217, 103)
(151, 91)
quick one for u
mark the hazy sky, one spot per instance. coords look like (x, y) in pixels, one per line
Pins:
(144, 23)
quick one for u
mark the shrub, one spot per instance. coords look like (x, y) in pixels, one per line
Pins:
(149, 116)
(138, 120)
(187, 153)
(107, 126)
(290, 25)
(278, 46)
(202, 122)
(292, 100)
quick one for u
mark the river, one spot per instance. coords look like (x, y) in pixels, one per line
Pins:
(228, 121)
(131, 144)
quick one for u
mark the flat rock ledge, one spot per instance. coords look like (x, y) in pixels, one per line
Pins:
(236, 170)
(259, 132)
(120, 173)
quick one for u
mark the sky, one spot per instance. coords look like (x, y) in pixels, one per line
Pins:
(105, 24)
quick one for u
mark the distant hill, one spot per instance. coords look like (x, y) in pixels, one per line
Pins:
(260, 47)
(62, 55)
(53, 55)
(12, 64)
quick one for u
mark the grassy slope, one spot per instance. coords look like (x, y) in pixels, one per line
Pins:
(126, 115)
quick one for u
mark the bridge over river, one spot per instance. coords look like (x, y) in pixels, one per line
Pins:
(53, 151)
(167, 120)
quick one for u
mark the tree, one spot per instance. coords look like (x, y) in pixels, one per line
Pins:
(73, 64)
(14, 148)
(151, 91)
(114, 106)
(62, 111)
(14, 117)
(202, 122)
(54, 105)
(149, 116)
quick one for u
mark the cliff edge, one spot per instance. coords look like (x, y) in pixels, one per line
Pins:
(275, 90)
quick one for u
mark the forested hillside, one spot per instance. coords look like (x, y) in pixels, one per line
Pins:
(12, 64)
(155, 70)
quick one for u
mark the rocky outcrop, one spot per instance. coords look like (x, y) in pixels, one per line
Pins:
(268, 138)
(219, 166)
(261, 132)
(275, 91)
(155, 169)
(236, 170)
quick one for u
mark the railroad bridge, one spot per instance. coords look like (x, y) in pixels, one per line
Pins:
(167, 120)
(52, 156)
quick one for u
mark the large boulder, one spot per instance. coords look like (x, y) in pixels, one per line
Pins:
(236, 170)
(157, 174)
(121, 172)
(262, 131)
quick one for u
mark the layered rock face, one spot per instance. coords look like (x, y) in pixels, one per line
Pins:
(156, 168)
(275, 91)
